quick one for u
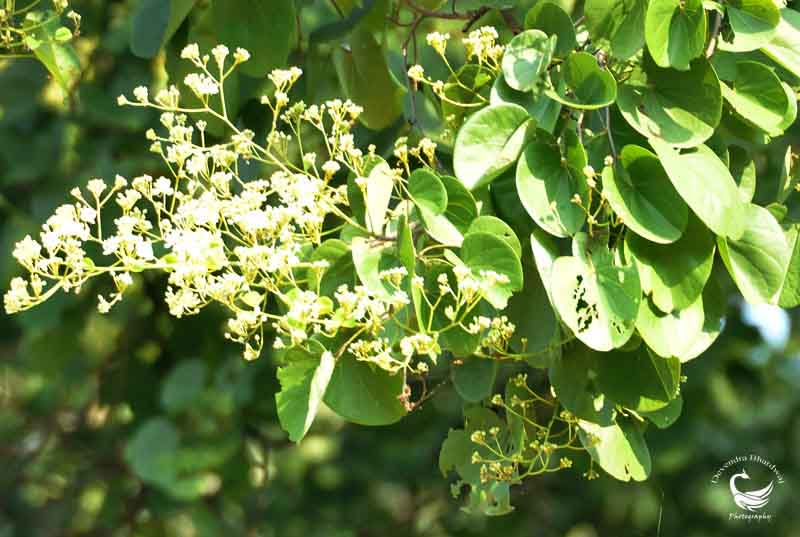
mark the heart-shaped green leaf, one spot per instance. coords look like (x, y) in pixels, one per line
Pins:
(670, 334)
(547, 186)
(758, 259)
(619, 24)
(596, 294)
(676, 274)
(619, 449)
(640, 192)
(526, 58)
(548, 17)
(582, 83)
(683, 108)
(427, 191)
(785, 45)
(753, 23)
(482, 251)
(489, 143)
(706, 184)
(304, 381)
(474, 379)
(638, 380)
(675, 32)
(758, 95)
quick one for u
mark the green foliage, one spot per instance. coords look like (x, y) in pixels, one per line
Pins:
(491, 223)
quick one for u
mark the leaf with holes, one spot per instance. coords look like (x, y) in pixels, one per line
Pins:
(597, 295)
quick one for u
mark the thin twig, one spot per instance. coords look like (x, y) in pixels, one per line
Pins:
(607, 125)
(337, 8)
(412, 34)
(712, 44)
(511, 22)
(440, 14)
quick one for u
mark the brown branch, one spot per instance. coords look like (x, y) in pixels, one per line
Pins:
(511, 21)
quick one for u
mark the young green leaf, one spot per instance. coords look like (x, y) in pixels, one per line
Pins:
(674, 274)
(547, 186)
(304, 381)
(541, 108)
(758, 259)
(675, 32)
(670, 334)
(758, 95)
(753, 23)
(526, 58)
(489, 143)
(619, 24)
(60, 59)
(548, 17)
(682, 108)
(640, 192)
(585, 85)
(784, 48)
(482, 251)
(619, 449)
(706, 184)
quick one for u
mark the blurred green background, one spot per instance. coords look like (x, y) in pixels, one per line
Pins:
(135, 423)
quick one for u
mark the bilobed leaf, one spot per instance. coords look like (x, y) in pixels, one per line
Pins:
(757, 94)
(675, 274)
(586, 85)
(753, 23)
(304, 380)
(682, 108)
(706, 184)
(489, 143)
(449, 228)
(758, 259)
(548, 17)
(618, 23)
(498, 228)
(59, 58)
(675, 32)
(363, 394)
(364, 74)
(474, 379)
(482, 251)
(547, 185)
(596, 294)
(670, 334)
(265, 29)
(427, 191)
(526, 58)
(784, 48)
(640, 192)
(619, 449)
(638, 380)
(541, 108)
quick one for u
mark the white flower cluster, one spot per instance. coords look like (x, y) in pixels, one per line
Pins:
(247, 244)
